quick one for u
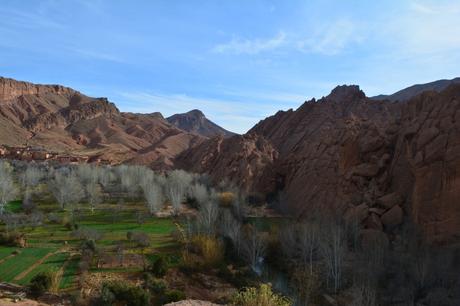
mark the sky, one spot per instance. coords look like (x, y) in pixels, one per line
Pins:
(238, 61)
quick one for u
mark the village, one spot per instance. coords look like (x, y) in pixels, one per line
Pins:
(31, 153)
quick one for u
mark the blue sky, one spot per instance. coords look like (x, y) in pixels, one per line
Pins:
(237, 61)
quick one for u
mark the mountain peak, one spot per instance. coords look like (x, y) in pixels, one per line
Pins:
(195, 113)
(346, 93)
(195, 121)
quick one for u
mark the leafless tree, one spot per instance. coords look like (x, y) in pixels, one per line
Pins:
(67, 190)
(93, 191)
(253, 246)
(308, 242)
(208, 213)
(176, 187)
(8, 189)
(231, 228)
(333, 248)
(154, 196)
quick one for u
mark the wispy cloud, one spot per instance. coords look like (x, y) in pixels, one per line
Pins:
(328, 38)
(331, 38)
(248, 46)
(427, 28)
(97, 55)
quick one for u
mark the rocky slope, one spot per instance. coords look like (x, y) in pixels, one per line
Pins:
(383, 162)
(196, 122)
(60, 119)
(410, 92)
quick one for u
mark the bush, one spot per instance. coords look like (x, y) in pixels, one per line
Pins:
(159, 267)
(226, 199)
(121, 293)
(262, 296)
(210, 249)
(41, 283)
(154, 285)
(13, 240)
(171, 296)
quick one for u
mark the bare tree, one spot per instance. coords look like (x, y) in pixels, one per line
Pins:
(67, 190)
(308, 242)
(231, 228)
(208, 213)
(176, 187)
(253, 247)
(93, 190)
(8, 189)
(333, 248)
(154, 196)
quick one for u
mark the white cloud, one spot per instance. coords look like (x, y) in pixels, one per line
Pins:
(255, 46)
(331, 38)
(427, 28)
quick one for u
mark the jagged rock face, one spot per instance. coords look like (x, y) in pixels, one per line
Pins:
(195, 121)
(11, 89)
(246, 160)
(426, 164)
(381, 161)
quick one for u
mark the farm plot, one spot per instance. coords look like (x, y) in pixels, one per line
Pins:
(68, 279)
(13, 266)
(52, 264)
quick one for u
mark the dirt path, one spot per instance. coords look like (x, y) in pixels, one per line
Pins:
(36, 264)
(61, 270)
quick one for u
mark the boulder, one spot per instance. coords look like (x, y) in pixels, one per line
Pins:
(392, 217)
(358, 213)
(389, 200)
(373, 222)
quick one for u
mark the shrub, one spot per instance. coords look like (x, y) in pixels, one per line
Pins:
(156, 286)
(226, 199)
(141, 239)
(41, 283)
(210, 249)
(159, 267)
(262, 296)
(171, 296)
(12, 239)
(122, 293)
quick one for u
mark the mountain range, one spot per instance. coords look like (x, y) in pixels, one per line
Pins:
(385, 159)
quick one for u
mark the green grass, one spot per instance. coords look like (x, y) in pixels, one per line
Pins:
(51, 264)
(70, 273)
(12, 267)
(6, 251)
(14, 206)
(50, 237)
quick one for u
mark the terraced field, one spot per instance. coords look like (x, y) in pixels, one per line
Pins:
(53, 247)
(15, 265)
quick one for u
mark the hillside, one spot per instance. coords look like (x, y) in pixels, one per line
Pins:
(412, 91)
(386, 160)
(196, 122)
(62, 120)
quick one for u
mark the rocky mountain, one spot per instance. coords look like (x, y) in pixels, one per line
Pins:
(412, 91)
(60, 119)
(380, 161)
(196, 122)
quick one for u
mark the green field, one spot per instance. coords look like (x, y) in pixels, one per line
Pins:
(68, 279)
(13, 266)
(52, 263)
(51, 237)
